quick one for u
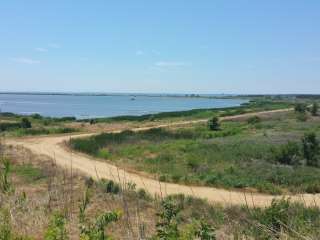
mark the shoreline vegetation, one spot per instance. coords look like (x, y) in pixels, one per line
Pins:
(10, 123)
(188, 95)
(39, 200)
(275, 153)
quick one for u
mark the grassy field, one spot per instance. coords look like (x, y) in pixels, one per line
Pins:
(244, 154)
(18, 125)
(42, 201)
(254, 104)
(11, 124)
(39, 200)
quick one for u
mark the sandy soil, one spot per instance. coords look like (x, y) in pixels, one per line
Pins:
(53, 146)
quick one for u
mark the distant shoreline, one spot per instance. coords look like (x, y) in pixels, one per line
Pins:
(134, 95)
(173, 95)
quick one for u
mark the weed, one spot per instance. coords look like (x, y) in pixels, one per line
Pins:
(56, 229)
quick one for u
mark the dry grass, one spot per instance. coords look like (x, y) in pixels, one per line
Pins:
(59, 192)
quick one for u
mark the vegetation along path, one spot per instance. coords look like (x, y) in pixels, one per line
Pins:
(54, 146)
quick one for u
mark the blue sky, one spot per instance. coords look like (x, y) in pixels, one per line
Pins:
(173, 46)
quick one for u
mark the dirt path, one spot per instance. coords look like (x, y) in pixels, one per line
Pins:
(52, 146)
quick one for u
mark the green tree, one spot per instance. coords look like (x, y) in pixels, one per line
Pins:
(314, 109)
(25, 123)
(311, 149)
(214, 124)
(300, 108)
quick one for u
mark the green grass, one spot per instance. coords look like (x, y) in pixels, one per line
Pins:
(293, 220)
(28, 172)
(10, 125)
(252, 106)
(42, 131)
(241, 155)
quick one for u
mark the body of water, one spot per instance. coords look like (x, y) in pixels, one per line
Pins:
(105, 106)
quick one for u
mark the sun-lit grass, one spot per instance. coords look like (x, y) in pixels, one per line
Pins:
(240, 155)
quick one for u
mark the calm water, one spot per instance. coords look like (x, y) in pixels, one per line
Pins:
(104, 106)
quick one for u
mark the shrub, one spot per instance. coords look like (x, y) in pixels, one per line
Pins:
(142, 194)
(109, 186)
(5, 126)
(36, 116)
(254, 120)
(5, 170)
(104, 153)
(302, 116)
(5, 225)
(314, 109)
(300, 108)
(167, 226)
(288, 154)
(25, 123)
(96, 230)
(89, 182)
(163, 178)
(56, 229)
(311, 149)
(205, 231)
(193, 164)
(276, 215)
(214, 124)
(313, 188)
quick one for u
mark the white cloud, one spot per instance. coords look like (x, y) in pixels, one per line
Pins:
(25, 60)
(54, 45)
(171, 64)
(139, 52)
(39, 49)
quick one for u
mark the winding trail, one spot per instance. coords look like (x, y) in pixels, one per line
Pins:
(53, 146)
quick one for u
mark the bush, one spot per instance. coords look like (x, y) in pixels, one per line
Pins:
(289, 154)
(276, 215)
(302, 116)
(109, 186)
(5, 126)
(5, 170)
(214, 124)
(254, 120)
(311, 149)
(142, 194)
(89, 182)
(313, 188)
(96, 230)
(168, 224)
(36, 116)
(56, 229)
(300, 108)
(25, 123)
(314, 109)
